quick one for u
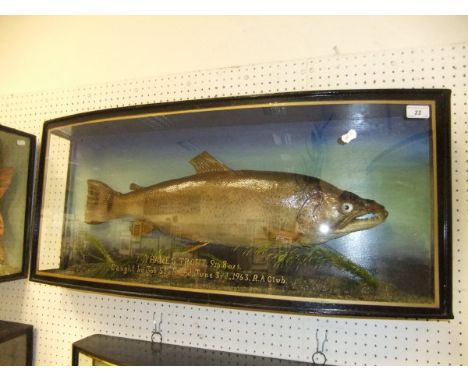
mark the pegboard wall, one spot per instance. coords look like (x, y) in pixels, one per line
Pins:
(61, 316)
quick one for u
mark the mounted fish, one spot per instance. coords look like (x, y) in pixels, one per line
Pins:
(218, 205)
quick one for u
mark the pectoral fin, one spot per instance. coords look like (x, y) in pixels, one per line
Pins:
(282, 236)
(205, 162)
(141, 227)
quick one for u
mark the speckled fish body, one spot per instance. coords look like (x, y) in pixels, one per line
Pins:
(244, 208)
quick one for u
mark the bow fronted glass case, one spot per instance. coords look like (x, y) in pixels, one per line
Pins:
(324, 202)
(17, 151)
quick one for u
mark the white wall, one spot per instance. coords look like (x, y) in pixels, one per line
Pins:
(55, 52)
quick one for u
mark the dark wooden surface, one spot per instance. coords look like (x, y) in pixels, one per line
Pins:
(131, 352)
(12, 351)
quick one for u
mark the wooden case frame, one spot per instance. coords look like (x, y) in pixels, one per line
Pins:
(435, 103)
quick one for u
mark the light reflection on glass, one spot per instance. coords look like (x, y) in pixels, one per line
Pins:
(324, 228)
(257, 184)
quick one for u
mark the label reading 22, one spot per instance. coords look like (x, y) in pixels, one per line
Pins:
(418, 111)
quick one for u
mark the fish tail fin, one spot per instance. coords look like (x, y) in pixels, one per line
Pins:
(99, 203)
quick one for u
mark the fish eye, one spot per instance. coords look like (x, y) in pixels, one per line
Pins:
(346, 208)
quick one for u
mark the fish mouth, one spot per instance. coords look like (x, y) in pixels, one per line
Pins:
(367, 217)
(362, 220)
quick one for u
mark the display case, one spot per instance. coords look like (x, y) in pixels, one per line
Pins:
(103, 350)
(331, 202)
(17, 151)
(16, 344)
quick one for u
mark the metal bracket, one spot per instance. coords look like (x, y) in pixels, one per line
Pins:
(319, 358)
(157, 331)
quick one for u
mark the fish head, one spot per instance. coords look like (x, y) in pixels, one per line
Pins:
(354, 213)
(335, 213)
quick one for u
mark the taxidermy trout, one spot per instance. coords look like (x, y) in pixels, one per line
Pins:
(237, 208)
(6, 174)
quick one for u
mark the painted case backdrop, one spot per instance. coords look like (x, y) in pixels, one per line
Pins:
(15, 156)
(171, 200)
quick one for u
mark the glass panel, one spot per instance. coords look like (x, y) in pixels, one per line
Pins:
(50, 239)
(329, 202)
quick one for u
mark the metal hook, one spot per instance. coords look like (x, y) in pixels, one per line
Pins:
(157, 329)
(319, 358)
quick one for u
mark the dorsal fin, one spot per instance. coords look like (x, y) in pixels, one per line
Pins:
(134, 187)
(205, 162)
